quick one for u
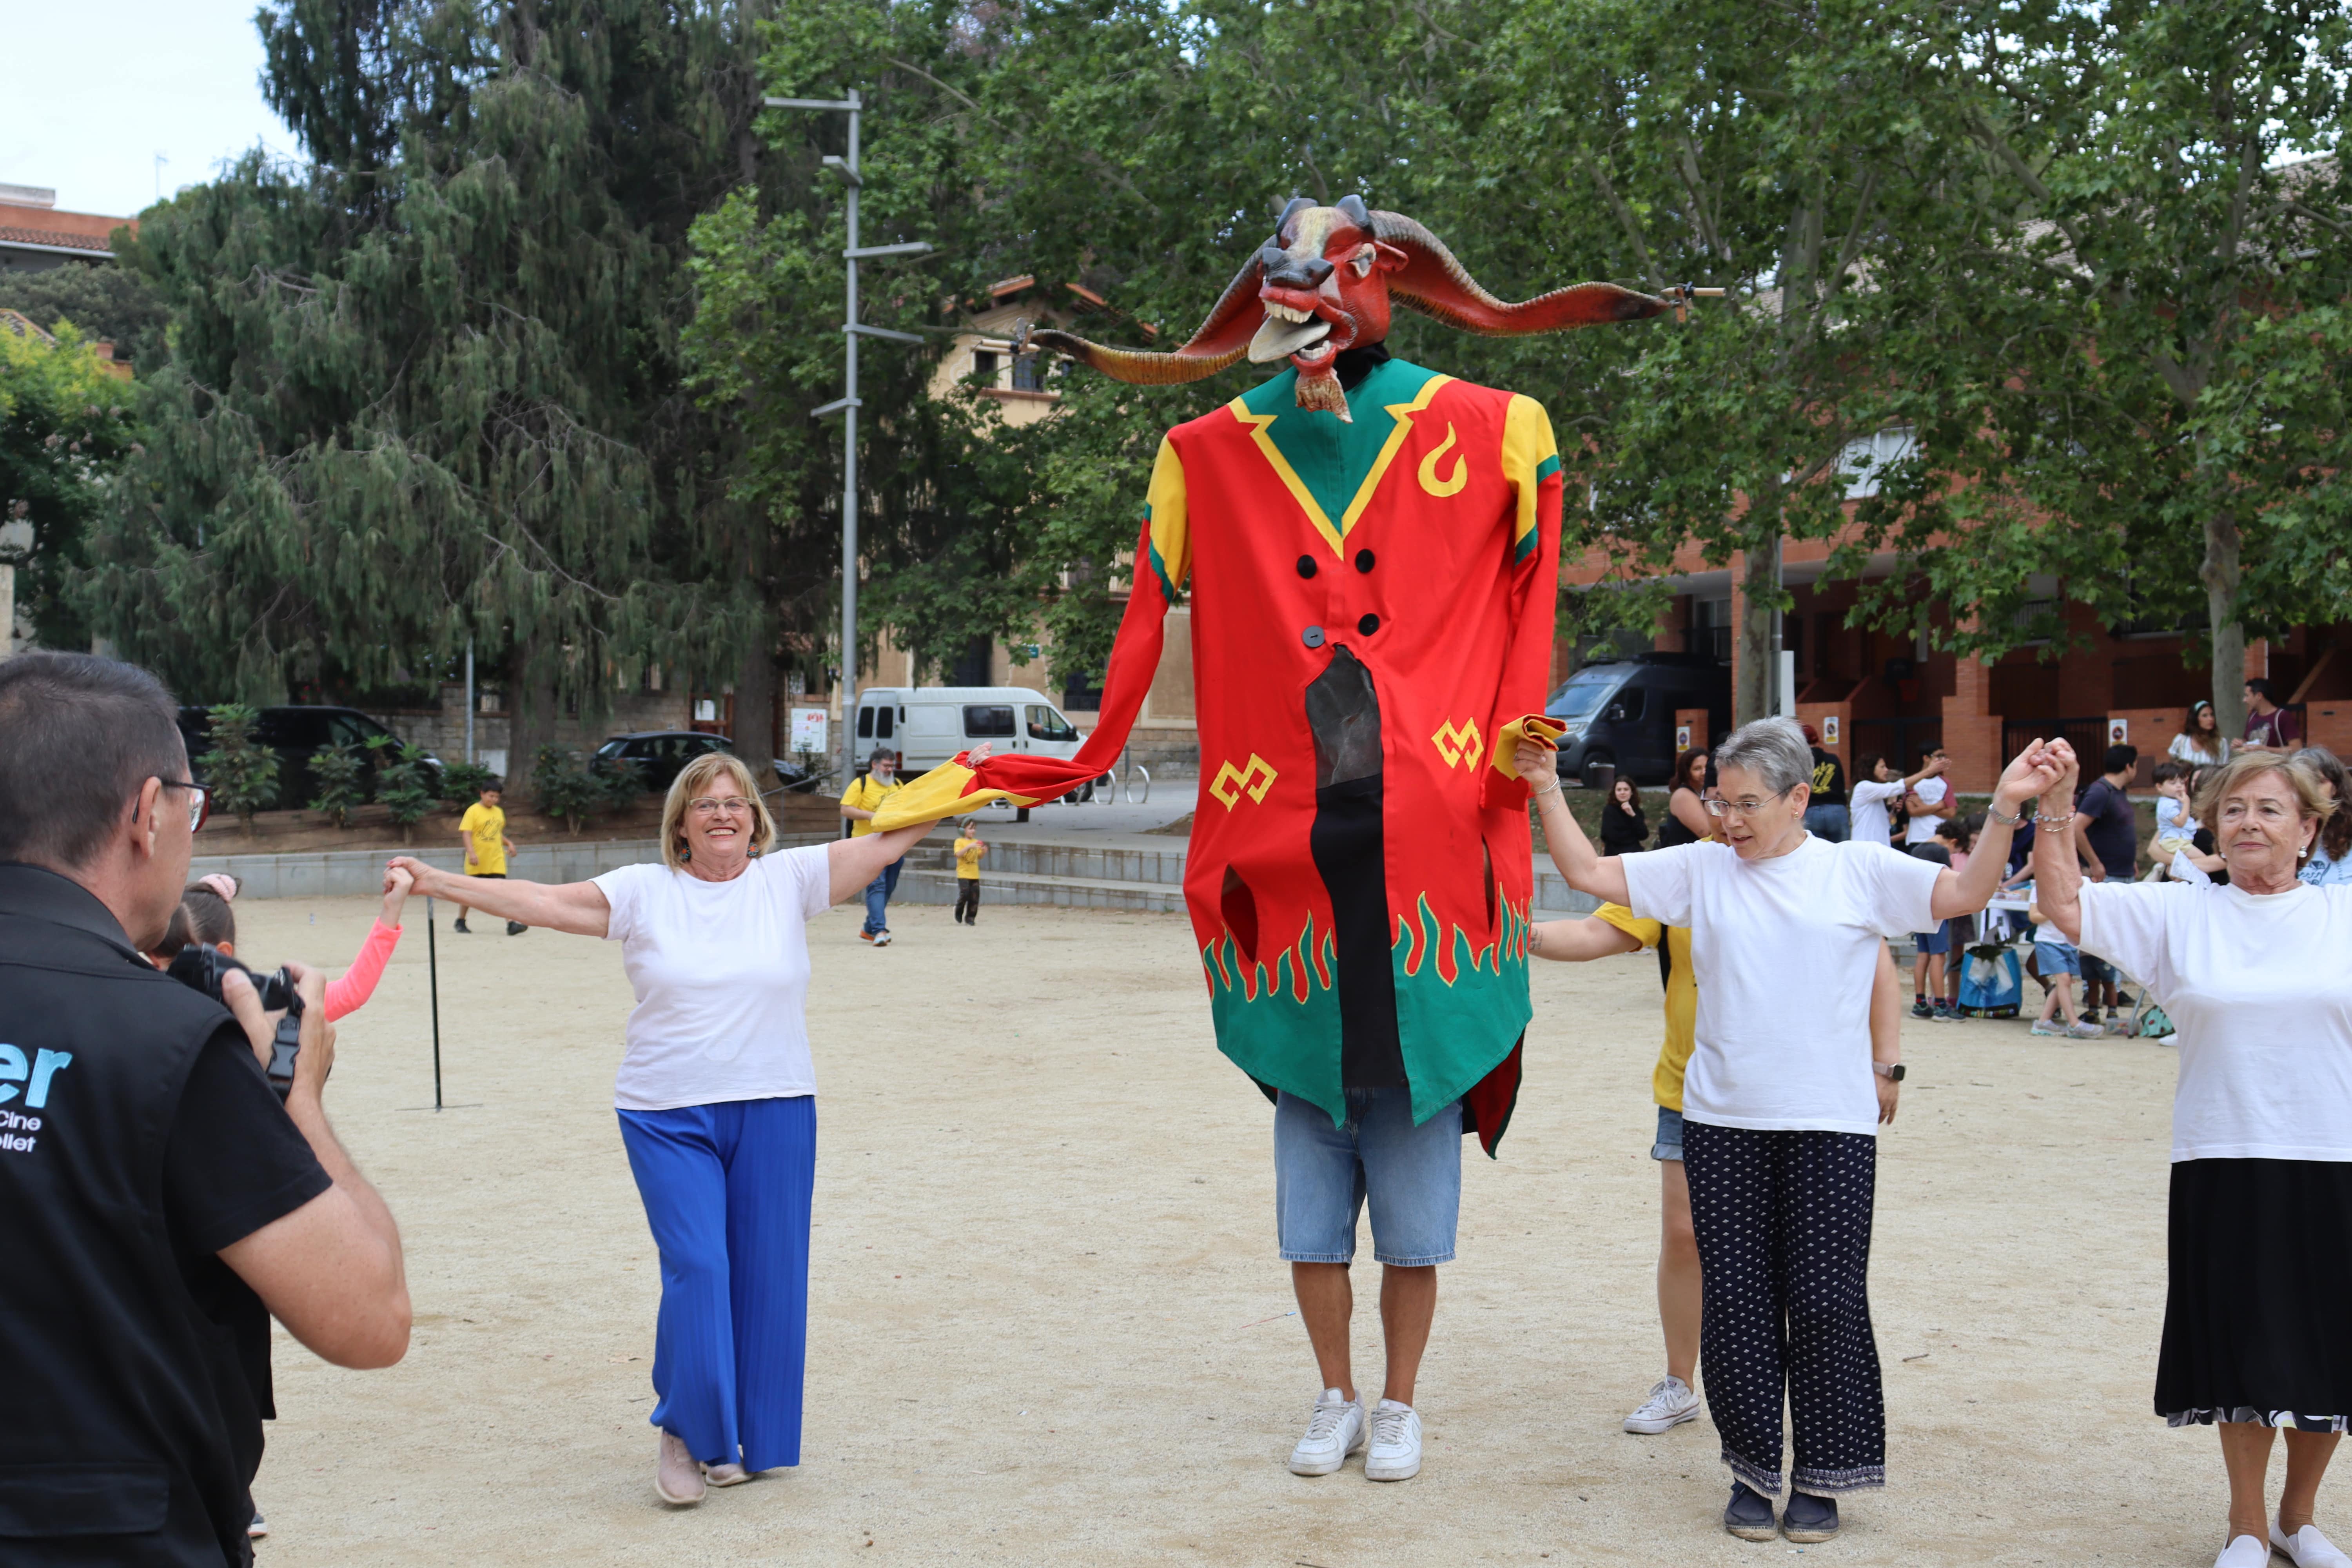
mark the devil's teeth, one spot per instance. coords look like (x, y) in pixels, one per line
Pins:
(1279, 339)
(1285, 312)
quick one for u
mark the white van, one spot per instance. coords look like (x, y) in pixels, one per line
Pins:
(927, 725)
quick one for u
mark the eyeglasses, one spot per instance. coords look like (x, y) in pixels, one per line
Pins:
(707, 805)
(1719, 808)
(200, 802)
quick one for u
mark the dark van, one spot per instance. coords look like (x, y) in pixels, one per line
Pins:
(296, 733)
(1622, 712)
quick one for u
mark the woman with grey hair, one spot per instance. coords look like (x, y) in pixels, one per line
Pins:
(1780, 1106)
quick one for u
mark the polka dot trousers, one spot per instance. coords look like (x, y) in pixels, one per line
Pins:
(1783, 1224)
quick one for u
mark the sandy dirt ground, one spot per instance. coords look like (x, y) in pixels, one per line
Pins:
(1049, 1326)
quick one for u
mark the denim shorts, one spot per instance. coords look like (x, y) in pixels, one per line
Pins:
(1931, 942)
(2055, 958)
(2098, 971)
(1669, 1146)
(1323, 1175)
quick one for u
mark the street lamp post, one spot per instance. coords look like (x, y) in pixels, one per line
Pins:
(846, 406)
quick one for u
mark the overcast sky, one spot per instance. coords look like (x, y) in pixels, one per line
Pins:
(97, 87)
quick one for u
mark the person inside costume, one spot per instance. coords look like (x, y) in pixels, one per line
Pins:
(1371, 550)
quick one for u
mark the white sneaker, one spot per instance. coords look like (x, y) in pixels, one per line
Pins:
(881, 938)
(2245, 1552)
(2307, 1548)
(1334, 1431)
(1672, 1402)
(2090, 1029)
(678, 1479)
(1395, 1453)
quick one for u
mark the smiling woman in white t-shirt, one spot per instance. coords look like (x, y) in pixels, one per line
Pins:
(717, 1099)
(1780, 1107)
(2257, 976)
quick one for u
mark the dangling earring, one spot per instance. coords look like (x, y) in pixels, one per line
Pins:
(684, 852)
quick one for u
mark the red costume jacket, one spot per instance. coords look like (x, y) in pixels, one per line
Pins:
(1372, 609)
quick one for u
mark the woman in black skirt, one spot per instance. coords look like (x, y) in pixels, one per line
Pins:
(1624, 828)
(2258, 977)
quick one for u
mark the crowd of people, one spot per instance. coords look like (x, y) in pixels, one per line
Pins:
(192, 1202)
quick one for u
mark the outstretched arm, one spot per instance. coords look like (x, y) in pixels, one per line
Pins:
(578, 908)
(1968, 890)
(854, 862)
(1581, 940)
(1586, 871)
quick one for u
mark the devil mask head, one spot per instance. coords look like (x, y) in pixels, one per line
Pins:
(1321, 286)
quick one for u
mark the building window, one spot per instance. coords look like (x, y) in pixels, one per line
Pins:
(1710, 628)
(1864, 460)
(983, 366)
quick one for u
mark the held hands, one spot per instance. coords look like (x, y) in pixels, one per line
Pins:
(2033, 773)
(2066, 768)
(420, 876)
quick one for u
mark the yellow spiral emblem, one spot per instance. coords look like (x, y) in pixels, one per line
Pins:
(1456, 742)
(1453, 482)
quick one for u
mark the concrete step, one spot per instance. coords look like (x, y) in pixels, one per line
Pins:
(918, 884)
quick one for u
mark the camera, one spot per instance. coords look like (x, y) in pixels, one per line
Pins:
(201, 966)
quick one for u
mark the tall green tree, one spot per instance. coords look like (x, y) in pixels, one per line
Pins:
(427, 385)
(2142, 388)
(65, 428)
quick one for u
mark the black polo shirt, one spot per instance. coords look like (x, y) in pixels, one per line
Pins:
(137, 1137)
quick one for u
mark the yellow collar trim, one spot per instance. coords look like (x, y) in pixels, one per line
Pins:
(1402, 413)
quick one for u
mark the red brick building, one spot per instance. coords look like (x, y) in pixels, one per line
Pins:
(1891, 695)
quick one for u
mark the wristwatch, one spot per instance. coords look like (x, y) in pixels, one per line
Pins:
(1888, 1070)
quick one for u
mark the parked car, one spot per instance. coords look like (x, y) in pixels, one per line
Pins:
(1621, 712)
(297, 732)
(662, 754)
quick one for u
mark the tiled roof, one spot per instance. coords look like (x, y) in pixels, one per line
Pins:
(10, 235)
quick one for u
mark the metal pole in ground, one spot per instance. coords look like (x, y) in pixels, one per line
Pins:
(847, 405)
(433, 983)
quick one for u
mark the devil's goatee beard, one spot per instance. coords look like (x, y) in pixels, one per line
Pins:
(1319, 389)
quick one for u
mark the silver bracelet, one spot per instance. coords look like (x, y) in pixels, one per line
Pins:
(1553, 788)
(2053, 821)
(1992, 814)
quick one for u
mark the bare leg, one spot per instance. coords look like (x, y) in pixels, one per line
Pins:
(2308, 1454)
(2246, 1454)
(1678, 1279)
(1407, 1306)
(1325, 1302)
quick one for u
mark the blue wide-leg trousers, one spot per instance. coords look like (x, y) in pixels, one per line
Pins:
(727, 1189)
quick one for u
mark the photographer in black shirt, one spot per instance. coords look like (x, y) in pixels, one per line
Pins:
(157, 1204)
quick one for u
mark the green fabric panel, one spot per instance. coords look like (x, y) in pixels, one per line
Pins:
(1330, 456)
(1548, 468)
(1273, 1036)
(1455, 1034)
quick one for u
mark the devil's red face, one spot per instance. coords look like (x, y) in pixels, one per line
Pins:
(1324, 291)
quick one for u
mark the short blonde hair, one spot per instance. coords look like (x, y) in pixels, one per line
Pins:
(2310, 789)
(692, 780)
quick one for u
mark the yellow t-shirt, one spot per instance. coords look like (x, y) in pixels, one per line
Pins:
(486, 826)
(1682, 999)
(967, 854)
(866, 794)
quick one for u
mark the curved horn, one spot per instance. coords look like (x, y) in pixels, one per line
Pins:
(1437, 285)
(1223, 339)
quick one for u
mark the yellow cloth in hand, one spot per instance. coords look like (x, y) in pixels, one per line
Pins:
(938, 795)
(1533, 727)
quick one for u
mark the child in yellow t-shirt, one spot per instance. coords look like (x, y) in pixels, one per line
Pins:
(967, 852)
(483, 830)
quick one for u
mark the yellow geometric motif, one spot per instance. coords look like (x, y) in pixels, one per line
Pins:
(1455, 745)
(1232, 782)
